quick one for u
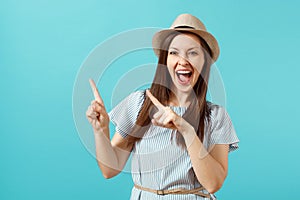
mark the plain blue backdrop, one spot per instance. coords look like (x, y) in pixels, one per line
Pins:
(43, 44)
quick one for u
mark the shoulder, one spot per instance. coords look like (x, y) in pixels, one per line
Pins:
(216, 110)
(136, 99)
(218, 114)
(125, 113)
(131, 103)
(221, 130)
(137, 95)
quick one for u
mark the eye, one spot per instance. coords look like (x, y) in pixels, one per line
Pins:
(193, 53)
(172, 52)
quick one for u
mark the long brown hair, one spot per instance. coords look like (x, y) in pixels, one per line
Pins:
(197, 112)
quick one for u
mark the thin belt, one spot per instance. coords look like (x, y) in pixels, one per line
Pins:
(175, 191)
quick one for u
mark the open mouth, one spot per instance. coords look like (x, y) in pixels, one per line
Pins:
(184, 76)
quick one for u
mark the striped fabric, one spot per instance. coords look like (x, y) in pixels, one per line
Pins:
(157, 161)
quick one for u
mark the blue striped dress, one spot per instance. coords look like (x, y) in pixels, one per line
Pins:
(157, 161)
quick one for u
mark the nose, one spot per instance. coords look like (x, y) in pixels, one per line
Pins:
(183, 61)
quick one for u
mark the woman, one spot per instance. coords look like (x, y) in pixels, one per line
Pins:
(179, 141)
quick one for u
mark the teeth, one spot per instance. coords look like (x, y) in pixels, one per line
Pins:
(183, 72)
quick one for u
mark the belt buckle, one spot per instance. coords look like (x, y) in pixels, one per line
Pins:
(160, 192)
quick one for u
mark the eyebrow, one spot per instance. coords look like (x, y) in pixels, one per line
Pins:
(188, 49)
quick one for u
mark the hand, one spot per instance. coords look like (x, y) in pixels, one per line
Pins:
(96, 112)
(167, 118)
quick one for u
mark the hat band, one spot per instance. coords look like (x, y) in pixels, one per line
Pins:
(184, 27)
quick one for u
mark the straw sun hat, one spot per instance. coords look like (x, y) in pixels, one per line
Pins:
(187, 23)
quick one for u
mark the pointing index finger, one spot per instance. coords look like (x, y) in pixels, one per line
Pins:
(154, 100)
(96, 92)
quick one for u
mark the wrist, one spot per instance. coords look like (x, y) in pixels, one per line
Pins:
(189, 135)
(187, 130)
(101, 131)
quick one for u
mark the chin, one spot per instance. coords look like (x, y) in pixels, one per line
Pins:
(183, 89)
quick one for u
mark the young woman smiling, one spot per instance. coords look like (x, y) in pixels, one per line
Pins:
(178, 140)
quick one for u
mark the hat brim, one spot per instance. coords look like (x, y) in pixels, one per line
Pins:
(206, 36)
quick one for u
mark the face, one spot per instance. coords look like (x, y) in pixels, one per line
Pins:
(185, 61)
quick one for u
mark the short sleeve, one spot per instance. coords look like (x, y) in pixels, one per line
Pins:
(124, 115)
(221, 129)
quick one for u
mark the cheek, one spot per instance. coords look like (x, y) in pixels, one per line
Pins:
(198, 66)
(170, 64)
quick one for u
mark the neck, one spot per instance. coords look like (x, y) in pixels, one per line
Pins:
(182, 99)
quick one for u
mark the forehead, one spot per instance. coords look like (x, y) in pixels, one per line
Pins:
(185, 40)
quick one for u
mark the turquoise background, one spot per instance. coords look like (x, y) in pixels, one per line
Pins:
(44, 43)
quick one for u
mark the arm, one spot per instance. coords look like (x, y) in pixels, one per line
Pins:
(111, 155)
(210, 166)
